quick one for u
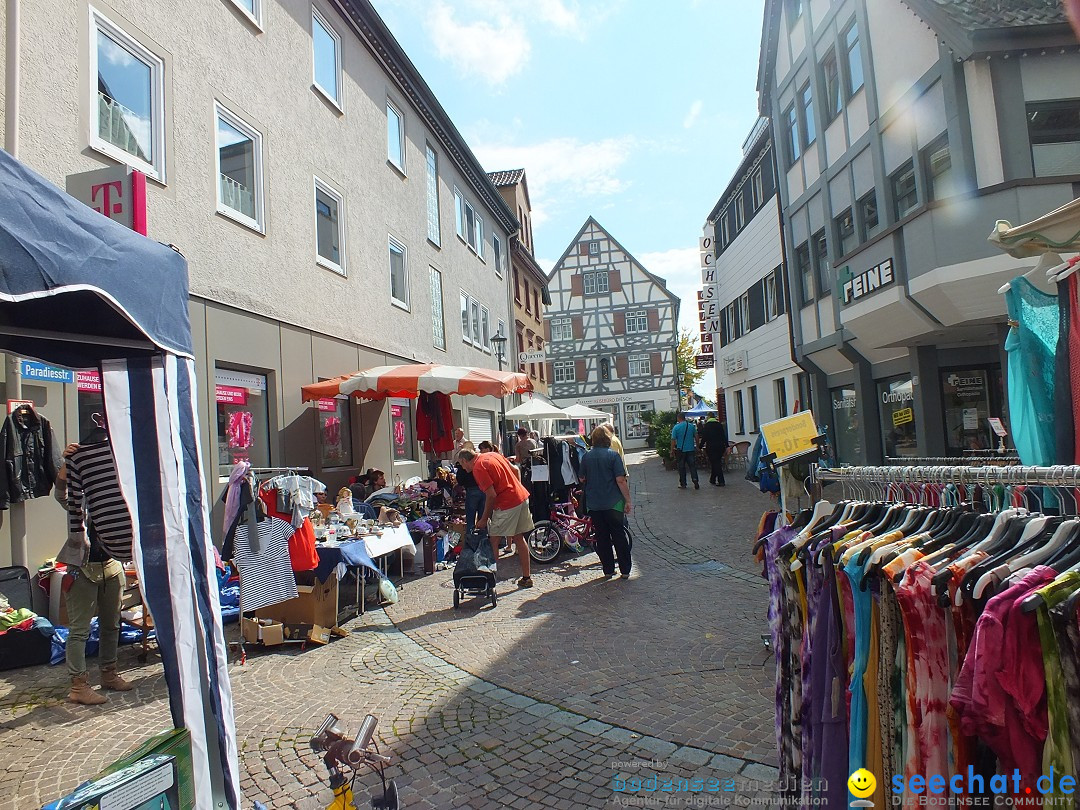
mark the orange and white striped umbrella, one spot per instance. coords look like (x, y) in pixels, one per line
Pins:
(413, 379)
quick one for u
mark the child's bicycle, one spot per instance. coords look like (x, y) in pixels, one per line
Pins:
(340, 753)
(547, 538)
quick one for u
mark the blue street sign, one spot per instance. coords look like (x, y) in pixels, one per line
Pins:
(32, 370)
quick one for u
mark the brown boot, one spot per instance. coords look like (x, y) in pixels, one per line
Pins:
(110, 679)
(82, 692)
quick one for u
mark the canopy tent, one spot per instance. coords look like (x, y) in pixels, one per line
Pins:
(536, 408)
(1056, 232)
(701, 409)
(579, 411)
(411, 380)
(80, 290)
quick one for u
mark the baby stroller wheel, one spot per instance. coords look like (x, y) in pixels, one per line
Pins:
(457, 598)
(494, 598)
(544, 541)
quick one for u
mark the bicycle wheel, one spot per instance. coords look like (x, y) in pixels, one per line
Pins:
(544, 541)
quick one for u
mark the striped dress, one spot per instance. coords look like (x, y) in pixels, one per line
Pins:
(94, 498)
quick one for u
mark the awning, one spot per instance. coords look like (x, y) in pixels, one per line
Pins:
(536, 408)
(1057, 232)
(411, 380)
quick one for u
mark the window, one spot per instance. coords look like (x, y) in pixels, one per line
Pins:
(744, 313)
(781, 398)
(252, 9)
(809, 129)
(395, 136)
(399, 275)
(474, 314)
(740, 414)
(845, 232)
(1054, 131)
(740, 213)
(759, 196)
(329, 228)
(939, 173)
(243, 419)
(794, 12)
(754, 416)
(830, 79)
(466, 330)
(896, 410)
(485, 329)
(772, 309)
(438, 324)
(854, 60)
(402, 431)
(563, 371)
(725, 235)
(561, 329)
(528, 299)
(595, 283)
(905, 194)
(821, 261)
(594, 248)
(640, 365)
(605, 369)
(637, 322)
(128, 105)
(335, 432)
(847, 447)
(791, 119)
(496, 252)
(539, 348)
(536, 303)
(805, 271)
(470, 226)
(521, 348)
(239, 166)
(326, 53)
(868, 215)
(729, 321)
(434, 232)
(637, 419)
(459, 213)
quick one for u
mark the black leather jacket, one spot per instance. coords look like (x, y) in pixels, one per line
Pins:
(31, 457)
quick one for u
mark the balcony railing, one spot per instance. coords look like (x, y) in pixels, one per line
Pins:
(237, 196)
(115, 123)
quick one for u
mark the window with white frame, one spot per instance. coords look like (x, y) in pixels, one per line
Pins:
(128, 99)
(595, 283)
(252, 9)
(434, 231)
(770, 297)
(399, 274)
(740, 212)
(563, 371)
(438, 324)
(239, 166)
(497, 253)
(594, 248)
(459, 213)
(329, 228)
(474, 315)
(757, 189)
(466, 328)
(637, 322)
(729, 321)
(395, 136)
(640, 365)
(744, 311)
(562, 329)
(485, 329)
(326, 57)
(470, 225)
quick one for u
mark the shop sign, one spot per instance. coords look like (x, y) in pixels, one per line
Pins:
(231, 395)
(328, 405)
(853, 287)
(902, 417)
(791, 436)
(532, 357)
(88, 382)
(704, 361)
(32, 370)
(895, 397)
(118, 192)
(706, 248)
(972, 387)
(610, 400)
(739, 361)
(971, 418)
(845, 403)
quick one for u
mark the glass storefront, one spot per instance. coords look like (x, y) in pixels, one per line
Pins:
(636, 414)
(243, 419)
(845, 412)
(403, 430)
(91, 405)
(335, 432)
(896, 404)
(968, 404)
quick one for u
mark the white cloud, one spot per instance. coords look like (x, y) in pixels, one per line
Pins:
(494, 52)
(692, 115)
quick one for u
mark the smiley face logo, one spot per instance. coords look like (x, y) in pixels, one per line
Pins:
(862, 783)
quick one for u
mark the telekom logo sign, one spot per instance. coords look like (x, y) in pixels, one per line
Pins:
(119, 193)
(107, 193)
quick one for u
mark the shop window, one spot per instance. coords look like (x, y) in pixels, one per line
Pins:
(395, 136)
(847, 447)
(791, 125)
(402, 430)
(326, 48)
(868, 215)
(755, 415)
(91, 405)
(809, 126)
(740, 414)
(822, 265)
(335, 432)
(434, 230)
(854, 59)
(830, 78)
(563, 371)
(399, 274)
(561, 329)
(939, 170)
(904, 191)
(595, 283)
(805, 271)
(896, 404)
(1054, 131)
(329, 228)
(845, 232)
(438, 322)
(243, 419)
(640, 365)
(128, 106)
(637, 322)
(781, 398)
(637, 414)
(239, 167)
(967, 407)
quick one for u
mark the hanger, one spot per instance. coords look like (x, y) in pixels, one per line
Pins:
(1048, 262)
(1062, 271)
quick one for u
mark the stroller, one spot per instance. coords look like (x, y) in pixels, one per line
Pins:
(474, 572)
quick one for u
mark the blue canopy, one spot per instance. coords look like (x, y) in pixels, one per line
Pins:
(76, 287)
(701, 409)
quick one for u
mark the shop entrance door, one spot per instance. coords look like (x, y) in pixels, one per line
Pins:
(968, 402)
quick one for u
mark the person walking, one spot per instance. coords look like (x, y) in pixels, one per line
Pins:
(714, 439)
(684, 446)
(506, 505)
(608, 498)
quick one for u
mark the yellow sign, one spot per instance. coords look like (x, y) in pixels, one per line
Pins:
(790, 436)
(902, 417)
(862, 783)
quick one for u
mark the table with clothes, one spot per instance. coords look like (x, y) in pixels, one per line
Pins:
(339, 556)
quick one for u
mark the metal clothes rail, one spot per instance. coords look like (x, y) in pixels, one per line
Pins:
(1015, 475)
(995, 458)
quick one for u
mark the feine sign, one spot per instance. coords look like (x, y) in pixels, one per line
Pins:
(855, 287)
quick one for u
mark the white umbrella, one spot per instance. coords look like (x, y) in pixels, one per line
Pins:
(535, 408)
(579, 411)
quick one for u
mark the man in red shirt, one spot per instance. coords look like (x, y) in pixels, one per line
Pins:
(506, 505)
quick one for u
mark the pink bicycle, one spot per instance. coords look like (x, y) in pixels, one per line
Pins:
(564, 527)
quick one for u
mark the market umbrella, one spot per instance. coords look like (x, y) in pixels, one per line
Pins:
(536, 408)
(1056, 232)
(411, 380)
(701, 409)
(579, 411)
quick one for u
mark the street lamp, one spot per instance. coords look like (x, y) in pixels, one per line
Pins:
(498, 341)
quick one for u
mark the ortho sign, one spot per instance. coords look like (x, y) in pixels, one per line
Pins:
(119, 193)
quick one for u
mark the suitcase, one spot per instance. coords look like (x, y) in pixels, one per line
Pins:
(22, 648)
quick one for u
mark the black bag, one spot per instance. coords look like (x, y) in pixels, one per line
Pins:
(476, 558)
(22, 648)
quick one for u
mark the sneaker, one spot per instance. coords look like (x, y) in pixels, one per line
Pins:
(682, 486)
(525, 582)
(624, 576)
(697, 485)
(608, 576)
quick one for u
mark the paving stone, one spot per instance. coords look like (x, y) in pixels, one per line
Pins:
(657, 746)
(593, 727)
(697, 756)
(762, 773)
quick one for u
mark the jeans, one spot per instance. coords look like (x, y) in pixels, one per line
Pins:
(96, 591)
(610, 526)
(474, 507)
(686, 460)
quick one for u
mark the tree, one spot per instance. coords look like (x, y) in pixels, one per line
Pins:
(689, 376)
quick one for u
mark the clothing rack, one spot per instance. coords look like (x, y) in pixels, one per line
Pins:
(900, 461)
(305, 470)
(1067, 475)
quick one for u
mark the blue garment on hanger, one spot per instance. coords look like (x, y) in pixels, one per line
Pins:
(1032, 346)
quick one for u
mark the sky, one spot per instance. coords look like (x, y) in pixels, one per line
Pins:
(631, 111)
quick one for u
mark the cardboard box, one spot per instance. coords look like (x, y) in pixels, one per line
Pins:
(273, 634)
(255, 632)
(319, 635)
(315, 604)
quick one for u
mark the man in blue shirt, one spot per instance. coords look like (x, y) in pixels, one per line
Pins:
(684, 446)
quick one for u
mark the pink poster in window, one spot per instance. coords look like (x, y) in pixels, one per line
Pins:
(88, 382)
(231, 395)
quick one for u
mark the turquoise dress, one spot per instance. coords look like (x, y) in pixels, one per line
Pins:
(1031, 346)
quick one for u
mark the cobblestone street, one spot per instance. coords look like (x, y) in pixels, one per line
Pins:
(543, 701)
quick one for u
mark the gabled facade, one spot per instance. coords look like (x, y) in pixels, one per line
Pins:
(612, 332)
(904, 130)
(530, 293)
(754, 368)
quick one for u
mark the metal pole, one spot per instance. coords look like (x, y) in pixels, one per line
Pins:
(17, 511)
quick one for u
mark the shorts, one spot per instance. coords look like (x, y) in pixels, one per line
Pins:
(511, 522)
